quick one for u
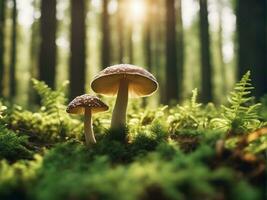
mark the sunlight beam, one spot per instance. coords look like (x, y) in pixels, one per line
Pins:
(137, 10)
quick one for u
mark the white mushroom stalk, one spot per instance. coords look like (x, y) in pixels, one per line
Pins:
(119, 112)
(87, 105)
(88, 127)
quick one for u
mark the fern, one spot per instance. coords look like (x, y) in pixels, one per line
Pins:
(186, 116)
(12, 146)
(53, 104)
(240, 116)
(142, 121)
(51, 122)
(51, 101)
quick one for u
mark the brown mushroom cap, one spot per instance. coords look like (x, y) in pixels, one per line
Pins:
(78, 105)
(141, 82)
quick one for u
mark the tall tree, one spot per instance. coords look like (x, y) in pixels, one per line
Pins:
(180, 45)
(2, 45)
(120, 29)
(220, 47)
(147, 35)
(105, 44)
(34, 50)
(47, 60)
(172, 88)
(251, 33)
(158, 33)
(130, 44)
(78, 48)
(206, 68)
(13, 53)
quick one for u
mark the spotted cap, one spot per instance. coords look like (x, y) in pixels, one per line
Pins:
(141, 82)
(77, 105)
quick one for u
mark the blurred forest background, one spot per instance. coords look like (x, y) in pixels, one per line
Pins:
(186, 44)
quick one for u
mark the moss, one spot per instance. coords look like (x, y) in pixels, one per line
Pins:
(12, 146)
(71, 171)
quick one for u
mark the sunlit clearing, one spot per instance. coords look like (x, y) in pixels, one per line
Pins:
(137, 8)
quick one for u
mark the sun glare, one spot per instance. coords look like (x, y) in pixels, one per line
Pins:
(137, 8)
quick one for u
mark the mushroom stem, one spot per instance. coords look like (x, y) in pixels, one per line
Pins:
(88, 129)
(119, 112)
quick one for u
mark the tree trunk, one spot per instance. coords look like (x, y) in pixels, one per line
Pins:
(2, 45)
(147, 36)
(206, 68)
(159, 48)
(78, 48)
(180, 47)
(105, 50)
(130, 45)
(251, 33)
(157, 30)
(13, 53)
(34, 50)
(220, 46)
(47, 60)
(172, 88)
(120, 25)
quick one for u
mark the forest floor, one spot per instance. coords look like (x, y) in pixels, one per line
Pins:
(187, 151)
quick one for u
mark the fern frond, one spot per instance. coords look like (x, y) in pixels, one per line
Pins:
(240, 115)
(51, 122)
(186, 116)
(51, 100)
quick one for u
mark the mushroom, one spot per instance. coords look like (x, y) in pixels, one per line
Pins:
(87, 104)
(123, 80)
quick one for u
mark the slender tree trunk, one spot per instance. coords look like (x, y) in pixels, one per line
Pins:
(147, 36)
(13, 53)
(251, 32)
(158, 45)
(2, 45)
(220, 46)
(180, 47)
(78, 48)
(34, 50)
(172, 88)
(130, 45)
(157, 29)
(47, 60)
(120, 25)
(105, 50)
(206, 68)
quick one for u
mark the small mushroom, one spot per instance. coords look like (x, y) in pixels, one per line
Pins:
(123, 80)
(87, 105)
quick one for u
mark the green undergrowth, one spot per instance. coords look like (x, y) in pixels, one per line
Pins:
(188, 151)
(165, 173)
(12, 146)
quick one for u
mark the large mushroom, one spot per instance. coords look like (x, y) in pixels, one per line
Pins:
(87, 105)
(123, 80)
